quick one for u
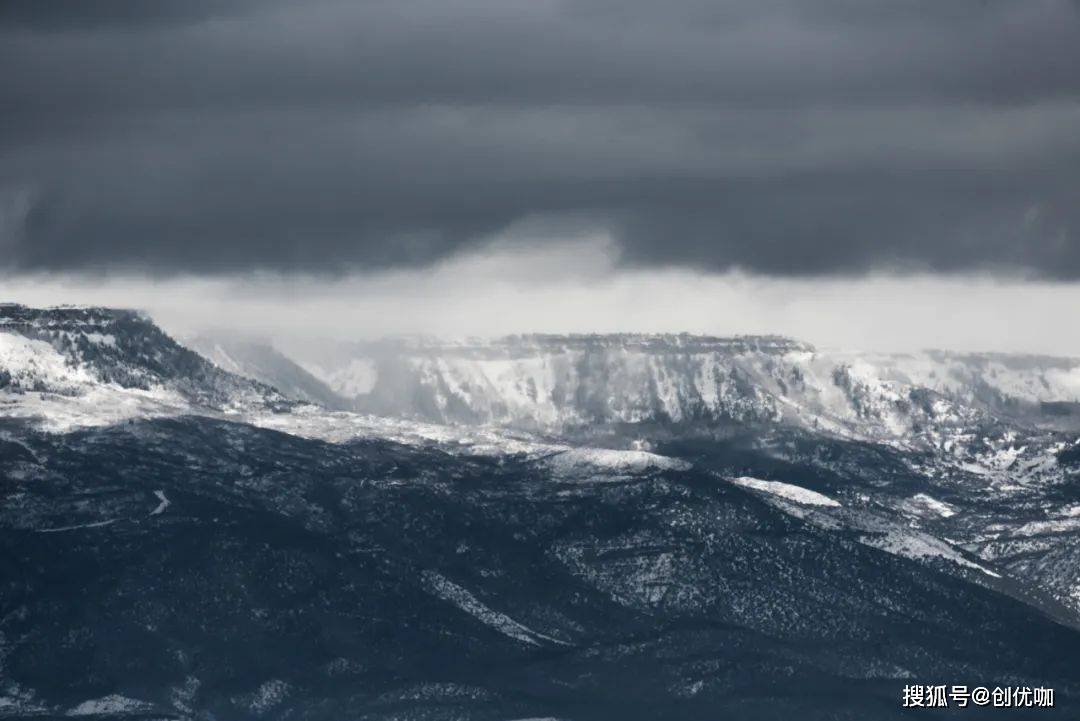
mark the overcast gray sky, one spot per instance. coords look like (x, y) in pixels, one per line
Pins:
(798, 141)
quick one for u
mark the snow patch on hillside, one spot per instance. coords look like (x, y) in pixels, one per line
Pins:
(34, 365)
(614, 460)
(341, 426)
(924, 505)
(442, 587)
(919, 546)
(786, 490)
(114, 704)
(163, 503)
(268, 696)
(95, 406)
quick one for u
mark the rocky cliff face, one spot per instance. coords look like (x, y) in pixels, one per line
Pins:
(558, 382)
(555, 382)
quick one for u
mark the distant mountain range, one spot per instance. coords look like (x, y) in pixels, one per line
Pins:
(545, 382)
(548, 382)
(557, 527)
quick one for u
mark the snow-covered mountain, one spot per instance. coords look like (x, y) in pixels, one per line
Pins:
(961, 422)
(68, 365)
(551, 384)
(685, 518)
(557, 382)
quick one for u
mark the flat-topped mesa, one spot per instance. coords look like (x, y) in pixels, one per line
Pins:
(546, 380)
(583, 380)
(112, 346)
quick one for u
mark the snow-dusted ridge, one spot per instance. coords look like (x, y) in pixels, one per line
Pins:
(538, 382)
(259, 361)
(66, 368)
(70, 367)
(566, 460)
(788, 491)
(554, 382)
(874, 530)
(114, 705)
(53, 376)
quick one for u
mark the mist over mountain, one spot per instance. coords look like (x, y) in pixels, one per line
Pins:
(568, 527)
(581, 381)
(260, 361)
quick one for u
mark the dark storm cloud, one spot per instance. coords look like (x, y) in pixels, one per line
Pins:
(73, 14)
(780, 136)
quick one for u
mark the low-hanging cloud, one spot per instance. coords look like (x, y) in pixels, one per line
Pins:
(784, 137)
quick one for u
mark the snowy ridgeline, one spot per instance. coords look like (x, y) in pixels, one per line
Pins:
(788, 491)
(121, 365)
(71, 367)
(556, 382)
(889, 535)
